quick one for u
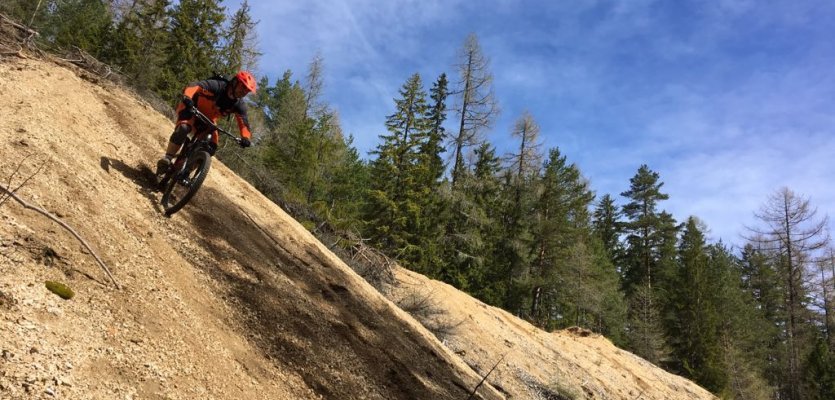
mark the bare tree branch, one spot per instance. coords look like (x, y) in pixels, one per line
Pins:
(477, 106)
(65, 226)
(314, 86)
(485, 377)
(17, 169)
(793, 236)
(9, 21)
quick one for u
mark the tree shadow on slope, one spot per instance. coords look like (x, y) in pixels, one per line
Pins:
(301, 312)
(297, 309)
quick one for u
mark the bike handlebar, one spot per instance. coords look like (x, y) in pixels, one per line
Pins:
(208, 121)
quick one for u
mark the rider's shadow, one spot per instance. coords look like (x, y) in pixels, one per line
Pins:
(142, 176)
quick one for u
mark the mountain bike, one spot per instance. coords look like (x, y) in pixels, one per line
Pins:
(188, 171)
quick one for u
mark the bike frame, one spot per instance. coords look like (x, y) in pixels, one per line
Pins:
(200, 140)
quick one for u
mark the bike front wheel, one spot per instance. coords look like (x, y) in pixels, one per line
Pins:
(184, 184)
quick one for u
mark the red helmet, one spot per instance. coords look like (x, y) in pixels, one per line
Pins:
(247, 80)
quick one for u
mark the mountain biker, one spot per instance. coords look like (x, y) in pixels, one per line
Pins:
(215, 97)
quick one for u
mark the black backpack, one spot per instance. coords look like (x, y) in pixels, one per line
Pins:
(220, 77)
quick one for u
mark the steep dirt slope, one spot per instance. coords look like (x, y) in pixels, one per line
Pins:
(533, 364)
(229, 299)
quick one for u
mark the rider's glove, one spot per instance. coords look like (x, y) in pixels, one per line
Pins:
(244, 142)
(188, 102)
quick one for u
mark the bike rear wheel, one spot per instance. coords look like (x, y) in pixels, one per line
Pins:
(183, 184)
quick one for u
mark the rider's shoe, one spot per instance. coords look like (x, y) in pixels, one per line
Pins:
(163, 164)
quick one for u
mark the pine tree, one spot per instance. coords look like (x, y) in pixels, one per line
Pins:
(123, 48)
(483, 188)
(85, 24)
(240, 48)
(138, 42)
(430, 171)
(644, 228)
(695, 329)
(820, 372)
(285, 142)
(513, 255)
(192, 45)
(608, 226)
(436, 115)
(761, 281)
(393, 218)
(561, 262)
(590, 295)
(649, 256)
(322, 145)
(303, 161)
(608, 304)
(327, 145)
(645, 331)
(665, 241)
(292, 127)
(346, 189)
(745, 335)
(269, 98)
(517, 197)
(154, 29)
(472, 227)
(824, 297)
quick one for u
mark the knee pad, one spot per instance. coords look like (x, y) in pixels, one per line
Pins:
(180, 134)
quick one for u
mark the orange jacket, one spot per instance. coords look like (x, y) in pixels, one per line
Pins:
(211, 97)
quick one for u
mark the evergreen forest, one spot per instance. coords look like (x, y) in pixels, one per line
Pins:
(522, 230)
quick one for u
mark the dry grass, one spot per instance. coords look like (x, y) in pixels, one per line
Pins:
(422, 305)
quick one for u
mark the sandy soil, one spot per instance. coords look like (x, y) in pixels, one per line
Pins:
(230, 298)
(533, 364)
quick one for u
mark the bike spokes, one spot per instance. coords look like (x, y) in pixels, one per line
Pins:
(183, 185)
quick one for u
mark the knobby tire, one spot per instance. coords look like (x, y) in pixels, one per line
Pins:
(199, 162)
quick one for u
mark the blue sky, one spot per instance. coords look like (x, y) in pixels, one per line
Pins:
(726, 100)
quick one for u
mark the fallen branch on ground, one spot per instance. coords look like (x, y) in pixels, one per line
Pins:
(13, 33)
(20, 27)
(378, 267)
(17, 169)
(18, 52)
(89, 63)
(485, 377)
(65, 226)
